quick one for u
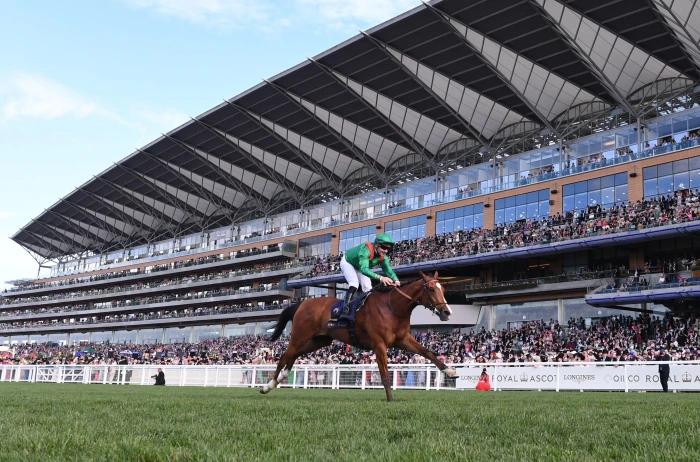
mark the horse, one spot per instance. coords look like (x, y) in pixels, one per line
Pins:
(382, 323)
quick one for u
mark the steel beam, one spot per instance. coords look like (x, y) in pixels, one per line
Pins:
(397, 130)
(310, 163)
(270, 173)
(384, 48)
(585, 59)
(359, 155)
(229, 180)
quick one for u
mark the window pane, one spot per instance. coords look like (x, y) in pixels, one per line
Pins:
(621, 193)
(593, 184)
(478, 220)
(694, 177)
(581, 201)
(510, 201)
(544, 195)
(681, 181)
(650, 172)
(544, 208)
(533, 210)
(620, 178)
(569, 203)
(469, 222)
(608, 196)
(665, 169)
(607, 181)
(568, 190)
(499, 217)
(650, 189)
(499, 204)
(521, 212)
(520, 199)
(532, 197)
(440, 227)
(510, 214)
(680, 166)
(665, 184)
(594, 198)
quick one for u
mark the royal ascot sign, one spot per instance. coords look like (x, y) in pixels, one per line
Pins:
(582, 376)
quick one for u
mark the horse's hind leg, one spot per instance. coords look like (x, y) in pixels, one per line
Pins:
(294, 350)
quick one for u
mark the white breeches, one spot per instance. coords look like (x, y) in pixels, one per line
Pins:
(354, 278)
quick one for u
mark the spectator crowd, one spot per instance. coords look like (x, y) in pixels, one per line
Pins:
(680, 207)
(615, 338)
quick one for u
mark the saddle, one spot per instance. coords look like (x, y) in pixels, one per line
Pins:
(346, 322)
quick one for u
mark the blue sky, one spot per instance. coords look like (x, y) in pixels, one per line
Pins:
(84, 83)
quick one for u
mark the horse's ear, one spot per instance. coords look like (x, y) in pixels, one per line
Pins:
(422, 275)
(435, 275)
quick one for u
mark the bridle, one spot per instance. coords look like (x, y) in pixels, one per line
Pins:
(427, 285)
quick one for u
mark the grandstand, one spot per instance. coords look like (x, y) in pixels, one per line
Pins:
(543, 155)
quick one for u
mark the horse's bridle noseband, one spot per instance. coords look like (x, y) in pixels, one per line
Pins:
(429, 285)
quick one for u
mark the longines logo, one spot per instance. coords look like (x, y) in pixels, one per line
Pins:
(579, 378)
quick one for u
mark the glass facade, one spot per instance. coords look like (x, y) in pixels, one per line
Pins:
(460, 218)
(522, 206)
(355, 236)
(604, 191)
(408, 228)
(667, 178)
(317, 246)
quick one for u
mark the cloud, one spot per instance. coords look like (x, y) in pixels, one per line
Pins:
(269, 15)
(34, 96)
(5, 215)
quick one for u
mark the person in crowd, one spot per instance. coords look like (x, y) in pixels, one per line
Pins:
(160, 377)
(484, 384)
(664, 369)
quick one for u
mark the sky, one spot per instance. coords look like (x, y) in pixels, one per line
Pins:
(85, 83)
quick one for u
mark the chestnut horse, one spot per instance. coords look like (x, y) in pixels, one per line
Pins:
(382, 323)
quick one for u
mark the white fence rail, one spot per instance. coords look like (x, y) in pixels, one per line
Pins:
(633, 376)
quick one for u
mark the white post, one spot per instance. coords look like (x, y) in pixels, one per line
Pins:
(364, 379)
(143, 375)
(86, 374)
(427, 378)
(627, 385)
(395, 379)
(228, 377)
(216, 376)
(252, 383)
(558, 375)
(182, 375)
(206, 375)
(306, 378)
(294, 381)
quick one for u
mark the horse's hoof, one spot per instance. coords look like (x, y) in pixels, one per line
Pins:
(264, 390)
(451, 373)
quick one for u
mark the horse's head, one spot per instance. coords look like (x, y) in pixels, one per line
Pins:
(433, 296)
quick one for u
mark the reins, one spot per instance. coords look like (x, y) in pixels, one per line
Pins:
(412, 300)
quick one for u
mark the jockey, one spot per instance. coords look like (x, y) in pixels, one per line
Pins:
(357, 263)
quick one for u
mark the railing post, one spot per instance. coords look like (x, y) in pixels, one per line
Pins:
(294, 378)
(252, 380)
(143, 375)
(427, 378)
(395, 379)
(182, 375)
(306, 378)
(86, 375)
(364, 379)
(206, 375)
(228, 377)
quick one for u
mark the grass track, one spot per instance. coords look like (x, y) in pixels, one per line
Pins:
(102, 422)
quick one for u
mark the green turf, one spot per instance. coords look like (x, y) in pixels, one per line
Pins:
(105, 422)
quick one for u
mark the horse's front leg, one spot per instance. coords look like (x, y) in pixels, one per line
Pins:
(409, 343)
(380, 352)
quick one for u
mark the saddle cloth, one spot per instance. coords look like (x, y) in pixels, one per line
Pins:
(355, 304)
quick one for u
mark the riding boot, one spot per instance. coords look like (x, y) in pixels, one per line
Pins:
(348, 298)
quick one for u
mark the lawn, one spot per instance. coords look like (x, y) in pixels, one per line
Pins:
(107, 422)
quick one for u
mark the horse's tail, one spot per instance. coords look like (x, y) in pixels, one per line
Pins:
(285, 316)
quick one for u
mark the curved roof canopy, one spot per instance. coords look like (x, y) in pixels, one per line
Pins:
(383, 104)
